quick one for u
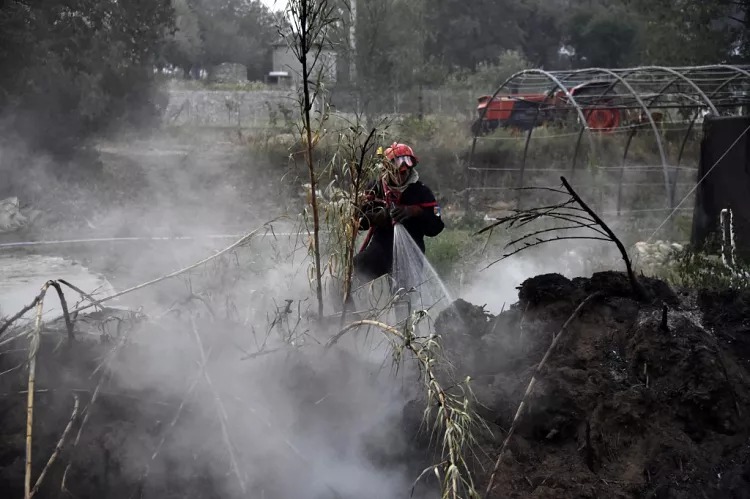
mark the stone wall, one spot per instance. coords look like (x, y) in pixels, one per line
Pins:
(213, 108)
(262, 108)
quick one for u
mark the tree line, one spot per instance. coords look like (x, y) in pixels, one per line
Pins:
(82, 66)
(439, 39)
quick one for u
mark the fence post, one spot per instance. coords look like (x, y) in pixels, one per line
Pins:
(467, 186)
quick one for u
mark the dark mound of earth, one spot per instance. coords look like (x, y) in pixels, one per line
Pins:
(625, 407)
(629, 405)
(157, 418)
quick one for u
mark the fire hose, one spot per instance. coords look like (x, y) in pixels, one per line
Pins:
(22, 244)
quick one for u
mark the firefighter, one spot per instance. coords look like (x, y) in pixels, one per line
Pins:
(397, 196)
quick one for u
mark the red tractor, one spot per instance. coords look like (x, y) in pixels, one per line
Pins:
(526, 111)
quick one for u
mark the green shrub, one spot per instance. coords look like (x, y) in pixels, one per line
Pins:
(696, 270)
(248, 86)
(452, 250)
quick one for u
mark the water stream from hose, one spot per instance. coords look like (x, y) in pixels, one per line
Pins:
(411, 269)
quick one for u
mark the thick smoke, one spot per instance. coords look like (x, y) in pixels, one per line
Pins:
(495, 282)
(302, 421)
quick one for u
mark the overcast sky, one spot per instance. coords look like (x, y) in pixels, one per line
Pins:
(274, 4)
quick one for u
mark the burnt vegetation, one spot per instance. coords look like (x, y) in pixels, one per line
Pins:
(572, 215)
(614, 385)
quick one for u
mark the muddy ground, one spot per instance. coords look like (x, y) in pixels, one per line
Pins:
(628, 406)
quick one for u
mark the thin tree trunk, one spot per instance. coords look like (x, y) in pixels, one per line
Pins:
(355, 173)
(304, 49)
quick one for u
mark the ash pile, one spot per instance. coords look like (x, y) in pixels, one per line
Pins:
(638, 399)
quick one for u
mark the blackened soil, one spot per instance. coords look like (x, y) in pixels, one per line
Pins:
(628, 405)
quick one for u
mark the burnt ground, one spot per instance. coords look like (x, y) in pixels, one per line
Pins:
(625, 407)
(296, 424)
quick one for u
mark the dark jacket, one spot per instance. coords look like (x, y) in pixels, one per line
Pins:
(429, 223)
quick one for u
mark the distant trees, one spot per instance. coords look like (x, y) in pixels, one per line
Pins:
(404, 43)
(69, 69)
(211, 32)
(469, 33)
(73, 68)
(184, 47)
(602, 36)
(692, 31)
(463, 35)
(615, 33)
(402, 46)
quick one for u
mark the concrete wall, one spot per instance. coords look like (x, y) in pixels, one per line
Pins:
(261, 108)
(228, 108)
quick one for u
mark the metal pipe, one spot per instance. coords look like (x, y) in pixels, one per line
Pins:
(558, 84)
(631, 135)
(657, 135)
(740, 73)
(682, 76)
(622, 171)
(695, 117)
(707, 73)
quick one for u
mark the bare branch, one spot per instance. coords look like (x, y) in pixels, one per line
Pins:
(544, 241)
(523, 217)
(578, 219)
(64, 306)
(80, 292)
(20, 314)
(58, 447)
(566, 213)
(552, 229)
(635, 284)
(365, 322)
(548, 189)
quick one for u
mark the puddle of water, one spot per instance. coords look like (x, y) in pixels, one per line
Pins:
(22, 277)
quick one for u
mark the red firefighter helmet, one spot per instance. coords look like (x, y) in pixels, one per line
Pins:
(401, 154)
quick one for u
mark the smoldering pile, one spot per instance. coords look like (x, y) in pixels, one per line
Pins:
(176, 406)
(638, 399)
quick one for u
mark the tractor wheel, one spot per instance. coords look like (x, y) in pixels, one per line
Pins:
(477, 128)
(480, 128)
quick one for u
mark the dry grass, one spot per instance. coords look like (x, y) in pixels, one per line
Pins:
(449, 412)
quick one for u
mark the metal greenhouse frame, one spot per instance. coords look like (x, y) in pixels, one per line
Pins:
(631, 99)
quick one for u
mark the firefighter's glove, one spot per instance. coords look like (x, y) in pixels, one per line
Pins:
(402, 213)
(379, 217)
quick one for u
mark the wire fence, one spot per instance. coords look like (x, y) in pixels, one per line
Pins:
(629, 139)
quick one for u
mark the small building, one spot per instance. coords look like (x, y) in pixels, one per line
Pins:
(228, 73)
(287, 68)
